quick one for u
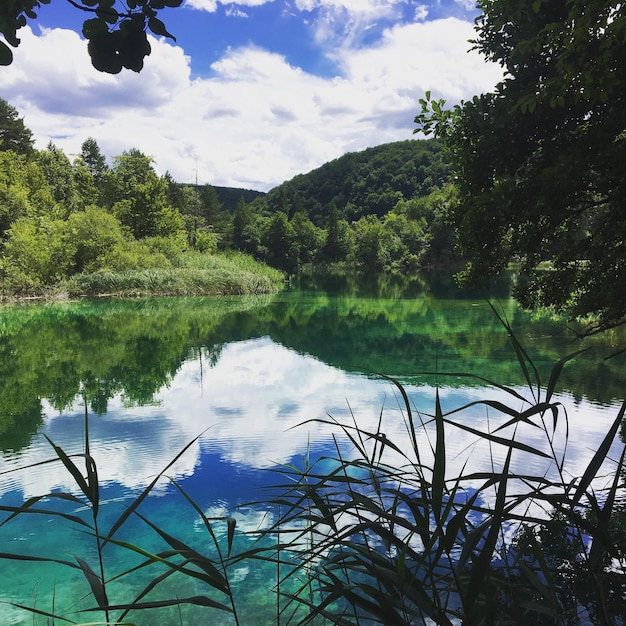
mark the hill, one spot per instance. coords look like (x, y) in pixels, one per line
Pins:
(362, 183)
(229, 196)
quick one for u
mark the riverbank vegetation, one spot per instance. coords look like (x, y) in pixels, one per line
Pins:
(83, 228)
(538, 160)
(69, 226)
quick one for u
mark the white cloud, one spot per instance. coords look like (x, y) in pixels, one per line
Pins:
(413, 58)
(466, 5)
(211, 5)
(202, 5)
(373, 8)
(421, 12)
(256, 120)
(343, 24)
(233, 11)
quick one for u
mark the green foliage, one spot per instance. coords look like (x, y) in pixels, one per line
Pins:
(340, 211)
(143, 206)
(391, 536)
(94, 233)
(59, 174)
(278, 238)
(116, 31)
(59, 218)
(178, 560)
(21, 188)
(148, 273)
(538, 161)
(139, 197)
(308, 237)
(373, 245)
(37, 252)
(246, 237)
(206, 224)
(431, 214)
(133, 255)
(206, 241)
(338, 241)
(14, 135)
(93, 160)
(362, 183)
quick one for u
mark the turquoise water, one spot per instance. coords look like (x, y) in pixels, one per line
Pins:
(238, 381)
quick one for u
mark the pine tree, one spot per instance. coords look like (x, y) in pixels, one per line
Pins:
(13, 133)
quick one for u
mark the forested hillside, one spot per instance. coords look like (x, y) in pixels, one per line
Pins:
(370, 182)
(382, 209)
(229, 197)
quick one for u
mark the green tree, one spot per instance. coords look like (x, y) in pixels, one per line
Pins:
(210, 206)
(59, 173)
(407, 239)
(94, 233)
(309, 238)
(85, 187)
(91, 174)
(246, 236)
(13, 133)
(337, 243)
(279, 240)
(93, 159)
(38, 252)
(201, 211)
(539, 162)
(373, 245)
(434, 239)
(115, 30)
(185, 199)
(24, 190)
(140, 197)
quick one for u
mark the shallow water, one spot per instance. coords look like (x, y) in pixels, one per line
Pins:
(239, 383)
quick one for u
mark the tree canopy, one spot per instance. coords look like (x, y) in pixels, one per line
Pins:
(371, 181)
(539, 161)
(14, 135)
(116, 31)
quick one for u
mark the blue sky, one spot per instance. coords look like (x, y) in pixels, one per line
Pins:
(251, 93)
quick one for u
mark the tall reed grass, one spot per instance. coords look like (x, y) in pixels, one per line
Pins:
(193, 274)
(391, 537)
(388, 535)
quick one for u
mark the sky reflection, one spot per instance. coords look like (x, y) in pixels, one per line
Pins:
(248, 410)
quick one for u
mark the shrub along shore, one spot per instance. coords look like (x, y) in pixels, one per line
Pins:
(193, 274)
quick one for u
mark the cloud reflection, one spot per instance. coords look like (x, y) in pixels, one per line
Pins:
(249, 409)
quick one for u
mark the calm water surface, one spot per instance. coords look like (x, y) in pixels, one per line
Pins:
(241, 378)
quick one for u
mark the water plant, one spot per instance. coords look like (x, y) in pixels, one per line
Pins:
(393, 537)
(177, 558)
(192, 274)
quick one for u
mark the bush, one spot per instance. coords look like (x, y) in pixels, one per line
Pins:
(37, 253)
(95, 233)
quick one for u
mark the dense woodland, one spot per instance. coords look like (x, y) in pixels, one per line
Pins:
(380, 209)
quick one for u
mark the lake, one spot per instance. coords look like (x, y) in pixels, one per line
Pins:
(239, 380)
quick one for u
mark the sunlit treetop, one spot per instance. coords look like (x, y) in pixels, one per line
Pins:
(116, 31)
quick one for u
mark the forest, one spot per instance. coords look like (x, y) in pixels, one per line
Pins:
(64, 222)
